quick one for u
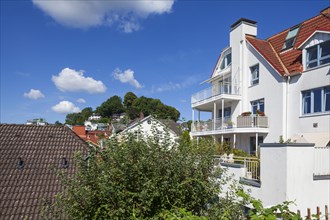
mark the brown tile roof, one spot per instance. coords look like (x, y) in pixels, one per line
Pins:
(39, 148)
(290, 59)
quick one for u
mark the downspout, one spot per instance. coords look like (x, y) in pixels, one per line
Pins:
(286, 106)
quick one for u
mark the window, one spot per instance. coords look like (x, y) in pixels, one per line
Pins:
(226, 112)
(318, 55)
(258, 105)
(290, 38)
(254, 74)
(316, 100)
(253, 144)
(226, 61)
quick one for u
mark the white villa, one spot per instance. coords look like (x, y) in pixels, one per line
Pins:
(264, 90)
(274, 94)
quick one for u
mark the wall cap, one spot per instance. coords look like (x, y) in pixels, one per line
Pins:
(287, 145)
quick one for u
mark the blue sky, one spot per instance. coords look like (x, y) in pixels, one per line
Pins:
(60, 57)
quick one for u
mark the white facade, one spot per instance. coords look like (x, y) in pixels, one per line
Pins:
(288, 100)
(235, 90)
(149, 127)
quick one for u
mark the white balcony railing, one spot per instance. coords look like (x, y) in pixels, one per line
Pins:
(253, 121)
(242, 122)
(214, 90)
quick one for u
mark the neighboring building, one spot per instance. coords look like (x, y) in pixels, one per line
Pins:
(37, 121)
(265, 90)
(95, 117)
(150, 126)
(28, 156)
(94, 137)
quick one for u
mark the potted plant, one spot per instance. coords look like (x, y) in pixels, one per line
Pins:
(260, 113)
(246, 113)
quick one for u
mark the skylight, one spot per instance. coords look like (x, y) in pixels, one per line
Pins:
(290, 38)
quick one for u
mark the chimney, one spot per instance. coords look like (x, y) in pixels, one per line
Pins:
(240, 29)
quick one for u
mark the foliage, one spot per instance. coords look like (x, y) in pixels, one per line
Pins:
(246, 113)
(258, 212)
(222, 148)
(78, 118)
(129, 99)
(111, 106)
(58, 123)
(240, 153)
(146, 180)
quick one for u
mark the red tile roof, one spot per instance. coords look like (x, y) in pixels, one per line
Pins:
(24, 187)
(291, 59)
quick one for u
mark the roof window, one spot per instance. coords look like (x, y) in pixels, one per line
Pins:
(290, 38)
(64, 163)
(20, 163)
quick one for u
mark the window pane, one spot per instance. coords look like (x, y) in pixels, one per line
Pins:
(317, 100)
(325, 61)
(292, 33)
(261, 106)
(327, 98)
(288, 43)
(229, 59)
(306, 102)
(312, 53)
(325, 49)
(312, 64)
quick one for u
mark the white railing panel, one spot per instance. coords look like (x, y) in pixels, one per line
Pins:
(321, 161)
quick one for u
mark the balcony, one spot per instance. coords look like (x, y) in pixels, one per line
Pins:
(216, 91)
(221, 126)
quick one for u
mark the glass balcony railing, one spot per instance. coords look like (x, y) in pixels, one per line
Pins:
(215, 90)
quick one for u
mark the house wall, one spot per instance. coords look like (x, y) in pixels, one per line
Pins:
(149, 129)
(298, 123)
(286, 174)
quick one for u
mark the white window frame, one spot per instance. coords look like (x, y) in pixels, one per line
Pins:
(319, 57)
(254, 74)
(257, 103)
(323, 96)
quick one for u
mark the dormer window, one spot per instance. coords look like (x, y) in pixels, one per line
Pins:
(290, 38)
(318, 55)
(225, 60)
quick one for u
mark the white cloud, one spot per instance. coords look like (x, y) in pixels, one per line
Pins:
(69, 80)
(34, 94)
(126, 77)
(81, 100)
(65, 107)
(84, 14)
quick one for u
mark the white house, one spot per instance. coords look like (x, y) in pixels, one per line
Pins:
(270, 91)
(266, 90)
(152, 127)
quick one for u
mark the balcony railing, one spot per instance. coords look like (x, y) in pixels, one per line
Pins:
(214, 90)
(253, 121)
(251, 165)
(322, 161)
(242, 122)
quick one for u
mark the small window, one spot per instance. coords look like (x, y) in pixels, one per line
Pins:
(254, 74)
(318, 55)
(226, 61)
(258, 105)
(290, 38)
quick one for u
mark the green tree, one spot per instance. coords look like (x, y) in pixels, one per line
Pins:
(111, 106)
(74, 119)
(86, 112)
(131, 111)
(144, 180)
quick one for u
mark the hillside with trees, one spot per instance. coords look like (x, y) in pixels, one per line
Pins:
(132, 106)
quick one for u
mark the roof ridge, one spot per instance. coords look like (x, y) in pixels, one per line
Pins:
(278, 57)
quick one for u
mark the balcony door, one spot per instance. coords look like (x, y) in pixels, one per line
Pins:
(225, 86)
(253, 147)
(226, 113)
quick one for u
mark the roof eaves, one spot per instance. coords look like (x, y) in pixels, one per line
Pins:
(268, 61)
